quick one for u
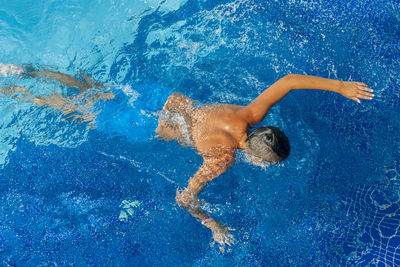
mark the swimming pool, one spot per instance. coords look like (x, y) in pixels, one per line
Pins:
(72, 195)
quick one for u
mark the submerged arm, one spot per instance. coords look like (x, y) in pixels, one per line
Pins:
(216, 161)
(258, 109)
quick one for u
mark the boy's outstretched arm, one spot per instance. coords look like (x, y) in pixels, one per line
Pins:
(216, 161)
(258, 109)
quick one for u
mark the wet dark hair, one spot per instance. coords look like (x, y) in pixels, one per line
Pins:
(269, 143)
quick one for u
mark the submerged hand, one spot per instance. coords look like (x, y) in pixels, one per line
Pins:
(356, 90)
(221, 233)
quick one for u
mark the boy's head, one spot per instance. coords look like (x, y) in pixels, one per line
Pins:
(268, 143)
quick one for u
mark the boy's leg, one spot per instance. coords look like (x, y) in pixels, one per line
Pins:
(13, 90)
(82, 84)
(81, 107)
(7, 70)
(64, 79)
(55, 101)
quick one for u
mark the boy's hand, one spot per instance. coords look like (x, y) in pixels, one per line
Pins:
(220, 232)
(356, 90)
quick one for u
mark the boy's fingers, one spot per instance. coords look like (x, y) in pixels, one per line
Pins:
(363, 93)
(229, 240)
(363, 88)
(364, 97)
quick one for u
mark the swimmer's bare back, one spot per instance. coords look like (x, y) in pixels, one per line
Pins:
(217, 130)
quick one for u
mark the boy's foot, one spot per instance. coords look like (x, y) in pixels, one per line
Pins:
(7, 70)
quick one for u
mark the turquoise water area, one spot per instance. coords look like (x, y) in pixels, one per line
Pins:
(74, 195)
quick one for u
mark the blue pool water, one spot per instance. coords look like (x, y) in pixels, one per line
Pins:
(73, 195)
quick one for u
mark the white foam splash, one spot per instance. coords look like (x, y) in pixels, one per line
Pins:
(7, 70)
(140, 166)
(250, 159)
(177, 118)
(128, 91)
(127, 209)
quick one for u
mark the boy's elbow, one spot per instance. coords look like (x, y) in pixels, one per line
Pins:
(291, 77)
(291, 80)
